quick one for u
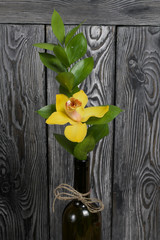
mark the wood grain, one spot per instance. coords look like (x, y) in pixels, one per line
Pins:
(100, 89)
(136, 212)
(108, 12)
(99, 86)
(23, 163)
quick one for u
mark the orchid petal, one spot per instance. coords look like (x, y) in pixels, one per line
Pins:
(59, 118)
(94, 112)
(76, 133)
(61, 100)
(82, 97)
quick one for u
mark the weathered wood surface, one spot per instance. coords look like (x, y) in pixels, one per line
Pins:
(136, 211)
(99, 86)
(23, 163)
(25, 203)
(107, 12)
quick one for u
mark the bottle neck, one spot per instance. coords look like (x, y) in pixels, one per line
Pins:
(81, 175)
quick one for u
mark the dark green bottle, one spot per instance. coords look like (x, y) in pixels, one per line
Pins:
(77, 222)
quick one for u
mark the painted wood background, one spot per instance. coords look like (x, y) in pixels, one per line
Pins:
(125, 166)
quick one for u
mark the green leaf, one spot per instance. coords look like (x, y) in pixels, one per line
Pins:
(75, 89)
(82, 69)
(108, 117)
(52, 62)
(61, 55)
(66, 79)
(47, 46)
(64, 91)
(64, 142)
(98, 131)
(71, 33)
(58, 26)
(83, 148)
(46, 111)
(76, 48)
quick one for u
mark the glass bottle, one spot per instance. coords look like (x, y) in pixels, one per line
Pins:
(77, 222)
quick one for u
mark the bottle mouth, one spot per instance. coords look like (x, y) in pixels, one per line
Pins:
(82, 163)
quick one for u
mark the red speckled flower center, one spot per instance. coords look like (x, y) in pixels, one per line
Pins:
(72, 104)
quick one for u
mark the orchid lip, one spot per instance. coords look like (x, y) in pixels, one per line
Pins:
(70, 108)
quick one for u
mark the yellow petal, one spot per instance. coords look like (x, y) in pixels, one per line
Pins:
(59, 118)
(76, 133)
(82, 97)
(94, 112)
(61, 100)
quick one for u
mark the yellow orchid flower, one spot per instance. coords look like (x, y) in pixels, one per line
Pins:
(72, 110)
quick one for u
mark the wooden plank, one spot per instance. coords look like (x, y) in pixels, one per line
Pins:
(136, 212)
(108, 12)
(99, 86)
(23, 173)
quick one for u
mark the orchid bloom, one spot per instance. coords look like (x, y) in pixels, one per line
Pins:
(72, 110)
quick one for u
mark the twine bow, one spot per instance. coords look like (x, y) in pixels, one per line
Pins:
(66, 192)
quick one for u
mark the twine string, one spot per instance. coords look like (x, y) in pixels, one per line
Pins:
(66, 192)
